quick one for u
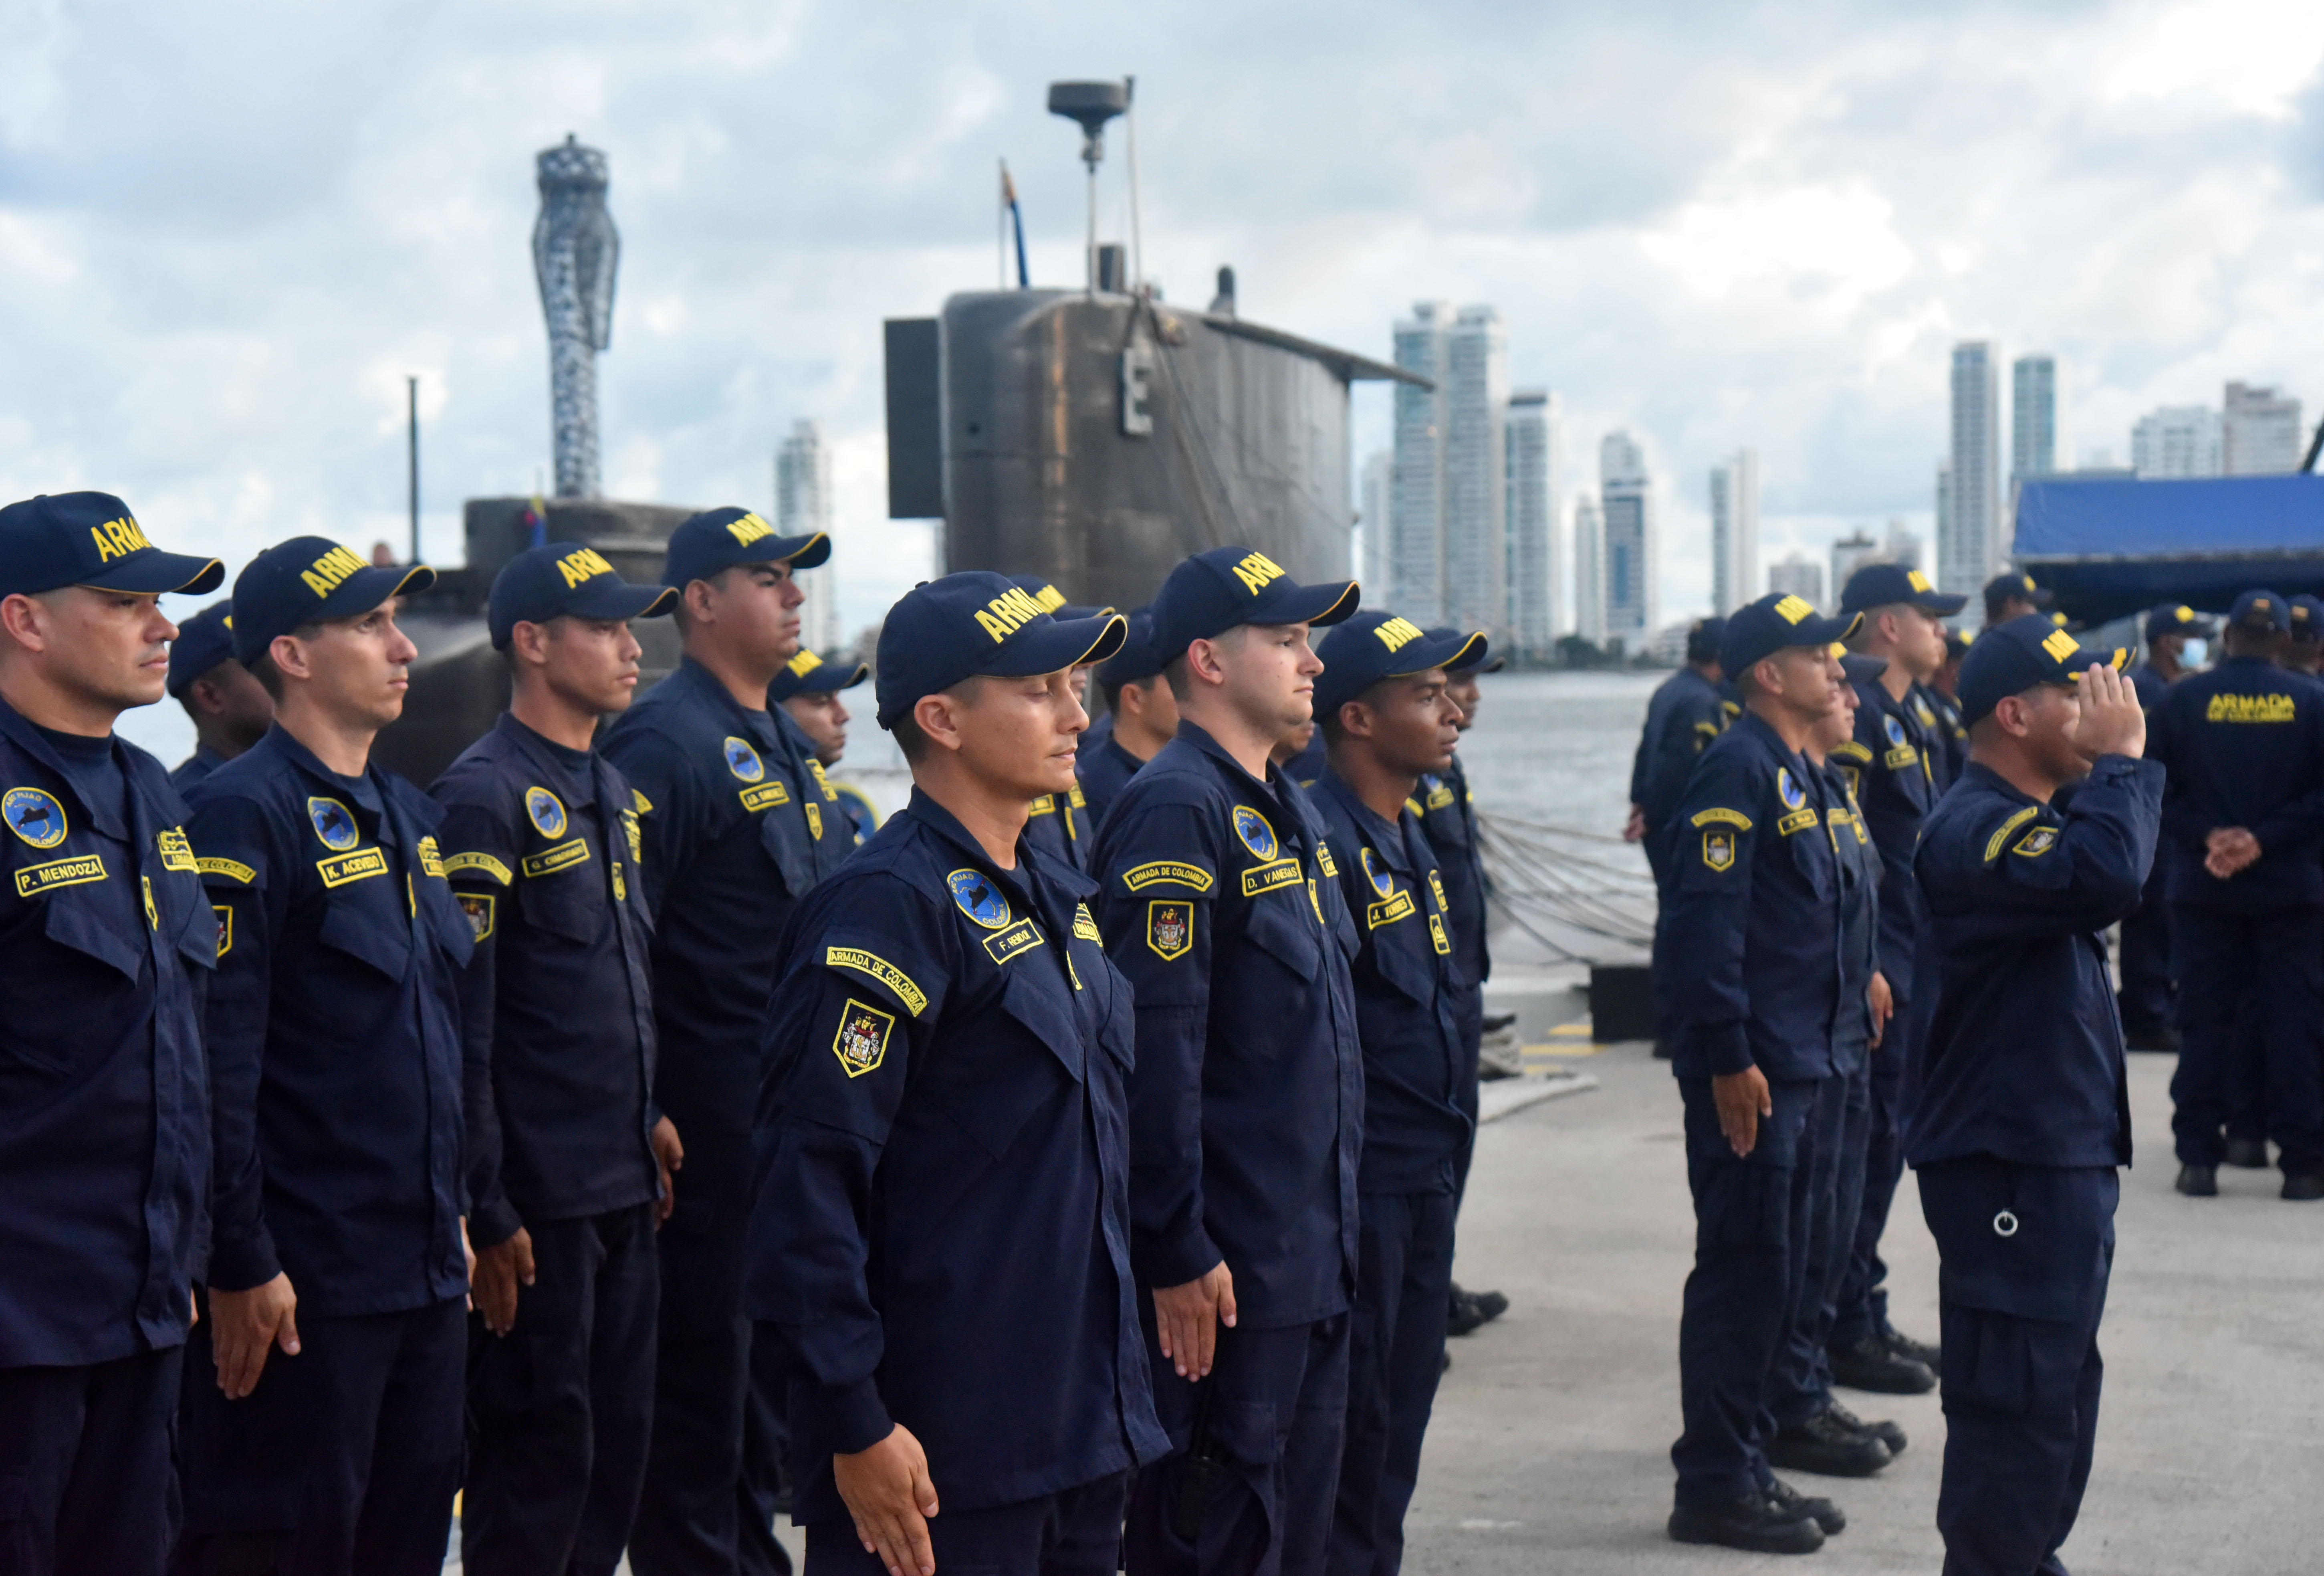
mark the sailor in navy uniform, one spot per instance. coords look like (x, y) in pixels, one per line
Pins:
(541, 843)
(2023, 1116)
(1062, 824)
(1688, 710)
(1752, 900)
(1936, 710)
(333, 1036)
(105, 942)
(230, 710)
(2243, 821)
(1143, 714)
(942, 1230)
(735, 833)
(1385, 710)
(805, 697)
(2148, 995)
(1247, 1100)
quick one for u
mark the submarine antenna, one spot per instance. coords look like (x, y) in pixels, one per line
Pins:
(1090, 105)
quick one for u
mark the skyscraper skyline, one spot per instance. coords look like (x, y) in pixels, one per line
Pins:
(1797, 575)
(1734, 532)
(2260, 432)
(1415, 543)
(1627, 504)
(1475, 529)
(1588, 570)
(1534, 577)
(1969, 544)
(2033, 417)
(803, 504)
(1376, 500)
(2175, 441)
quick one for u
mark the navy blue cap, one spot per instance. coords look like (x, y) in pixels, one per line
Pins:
(1776, 621)
(973, 623)
(1863, 670)
(90, 539)
(1053, 602)
(204, 639)
(2010, 658)
(1883, 585)
(1703, 639)
(707, 544)
(2261, 611)
(1956, 646)
(808, 674)
(2179, 620)
(1477, 657)
(306, 581)
(1373, 645)
(2001, 587)
(1136, 660)
(2307, 618)
(1211, 592)
(547, 582)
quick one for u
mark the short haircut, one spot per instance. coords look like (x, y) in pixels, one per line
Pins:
(1870, 617)
(1175, 671)
(910, 736)
(262, 666)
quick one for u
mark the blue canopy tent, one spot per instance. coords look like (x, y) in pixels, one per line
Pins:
(2110, 548)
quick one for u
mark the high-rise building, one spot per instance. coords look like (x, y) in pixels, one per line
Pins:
(1849, 553)
(1903, 546)
(1372, 526)
(1798, 575)
(2260, 432)
(1536, 574)
(1626, 501)
(1476, 473)
(1415, 541)
(1734, 532)
(2033, 417)
(1969, 544)
(803, 504)
(2176, 441)
(1589, 570)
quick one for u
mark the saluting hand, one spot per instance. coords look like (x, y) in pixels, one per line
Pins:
(1188, 1318)
(245, 1325)
(1742, 1098)
(887, 1491)
(2113, 723)
(494, 1277)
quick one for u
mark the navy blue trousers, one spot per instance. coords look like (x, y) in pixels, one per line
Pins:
(691, 1510)
(86, 1478)
(766, 1452)
(2025, 1252)
(1276, 1418)
(1077, 1532)
(345, 1458)
(559, 1408)
(2266, 973)
(2149, 992)
(1861, 1304)
(1752, 1218)
(1833, 1153)
(1395, 1354)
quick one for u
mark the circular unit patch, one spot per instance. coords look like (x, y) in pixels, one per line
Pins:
(1794, 795)
(1381, 881)
(547, 813)
(33, 816)
(978, 898)
(1256, 834)
(335, 823)
(742, 760)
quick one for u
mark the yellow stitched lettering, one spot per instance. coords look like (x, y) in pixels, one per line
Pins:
(34, 879)
(1397, 632)
(562, 856)
(1254, 570)
(750, 528)
(482, 863)
(878, 967)
(1138, 878)
(585, 565)
(232, 869)
(2251, 709)
(2061, 646)
(327, 573)
(2001, 833)
(1791, 610)
(359, 866)
(1733, 818)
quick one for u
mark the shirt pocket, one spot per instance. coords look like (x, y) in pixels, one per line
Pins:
(368, 930)
(568, 903)
(995, 1077)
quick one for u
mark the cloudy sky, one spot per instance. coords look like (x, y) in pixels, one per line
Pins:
(227, 232)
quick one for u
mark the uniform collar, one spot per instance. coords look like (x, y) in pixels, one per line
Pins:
(1382, 834)
(106, 818)
(1993, 782)
(364, 790)
(1271, 790)
(705, 683)
(1752, 723)
(1030, 861)
(577, 779)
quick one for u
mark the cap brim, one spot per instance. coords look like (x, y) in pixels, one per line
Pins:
(833, 677)
(620, 599)
(1863, 667)
(811, 551)
(1457, 652)
(1073, 611)
(365, 590)
(1059, 645)
(1943, 604)
(1316, 605)
(153, 574)
(2118, 661)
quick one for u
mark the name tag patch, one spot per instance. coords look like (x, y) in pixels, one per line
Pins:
(1398, 907)
(765, 796)
(1268, 877)
(1798, 821)
(1171, 929)
(1020, 937)
(359, 865)
(79, 870)
(563, 856)
(1138, 877)
(861, 1042)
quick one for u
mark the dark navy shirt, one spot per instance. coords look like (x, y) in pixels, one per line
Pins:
(2151, 685)
(195, 767)
(1448, 817)
(1751, 912)
(334, 1035)
(1940, 721)
(942, 1218)
(107, 944)
(541, 846)
(2243, 745)
(1860, 910)
(2024, 1057)
(1061, 826)
(730, 849)
(1687, 713)
(1105, 771)
(1889, 767)
(1247, 1103)
(862, 819)
(1418, 1120)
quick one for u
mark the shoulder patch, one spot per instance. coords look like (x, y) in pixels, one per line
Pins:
(645, 806)
(1719, 850)
(1733, 818)
(1171, 929)
(232, 869)
(861, 1042)
(482, 864)
(1852, 751)
(479, 907)
(34, 815)
(177, 853)
(1323, 859)
(225, 912)
(1085, 925)
(1170, 872)
(1993, 844)
(875, 967)
(2037, 842)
